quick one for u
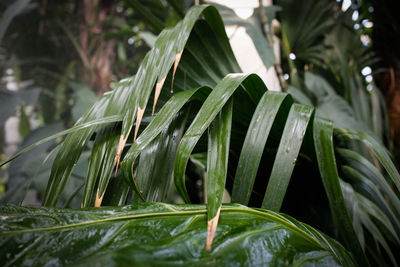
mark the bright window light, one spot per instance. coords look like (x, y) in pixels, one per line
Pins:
(346, 4)
(367, 23)
(366, 71)
(244, 13)
(354, 17)
(365, 39)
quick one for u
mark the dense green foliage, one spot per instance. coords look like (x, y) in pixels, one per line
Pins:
(216, 126)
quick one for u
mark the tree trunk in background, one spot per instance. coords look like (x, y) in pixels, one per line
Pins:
(389, 83)
(98, 52)
(386, 43)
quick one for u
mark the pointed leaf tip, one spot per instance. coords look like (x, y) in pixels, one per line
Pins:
(99, 199)
(139, 117)
(211, 229)
(120, 148)
(136, 187)
(123, 139)
(176, 63)
(159, 86)
(119, 151)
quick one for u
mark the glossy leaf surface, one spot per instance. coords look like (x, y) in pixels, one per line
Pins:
(323, 135)
(214, 103)
(195, 61)
(254, 144)
(159, 235)
(219, 135)
(289, 147)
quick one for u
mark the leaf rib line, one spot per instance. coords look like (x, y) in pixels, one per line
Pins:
(224, 210)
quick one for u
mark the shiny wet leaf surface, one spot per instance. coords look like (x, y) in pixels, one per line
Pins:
(160, 235)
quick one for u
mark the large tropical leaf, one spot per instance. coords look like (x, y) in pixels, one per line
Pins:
(253, 143)
(304, 25)
(131, 95)
(160, 235)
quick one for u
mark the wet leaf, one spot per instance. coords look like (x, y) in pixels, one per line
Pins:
(126, 236)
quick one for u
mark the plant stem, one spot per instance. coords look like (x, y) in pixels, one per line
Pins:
(269, 36)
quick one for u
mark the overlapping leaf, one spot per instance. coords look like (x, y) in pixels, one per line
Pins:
(160, 235)
(195, 58)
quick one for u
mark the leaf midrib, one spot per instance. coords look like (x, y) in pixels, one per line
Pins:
(224, 210)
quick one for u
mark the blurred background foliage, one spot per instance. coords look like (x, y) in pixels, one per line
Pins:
(56, 59)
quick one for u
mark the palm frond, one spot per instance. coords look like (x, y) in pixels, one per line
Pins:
(248, 127)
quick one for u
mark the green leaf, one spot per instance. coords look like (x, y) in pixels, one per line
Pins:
(30, 167)
(78, 127)
(177, 7)
(193, 54)
(213, 104)
(323, 135)
(299, 96)
(199, 160)
(219, 135)
(130, 97)
(160, 121)
(332, 106)
(8, 104)
(24, 126)
(109, 145)
(161, 57)
(369, 206)
(369, 171)
(254, 144)
(70, 151)
(361, 105)
(379, 151)
(125, 236)
(154, 174)
(148, 37)
(380, 121)
(146, 15)
(318, 85)
(84, 98)
(101, 164)
(285, 160)
(304, 23)
(369, 213)
(117, 192)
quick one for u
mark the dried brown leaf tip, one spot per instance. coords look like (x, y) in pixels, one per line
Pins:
(139, 118)
(160, 83)
(99, 199)
(120, 148)
(159, 86)
(176, 63)
(211, 229)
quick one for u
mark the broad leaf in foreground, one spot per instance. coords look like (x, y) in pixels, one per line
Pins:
(126, 236)
(262, 132)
